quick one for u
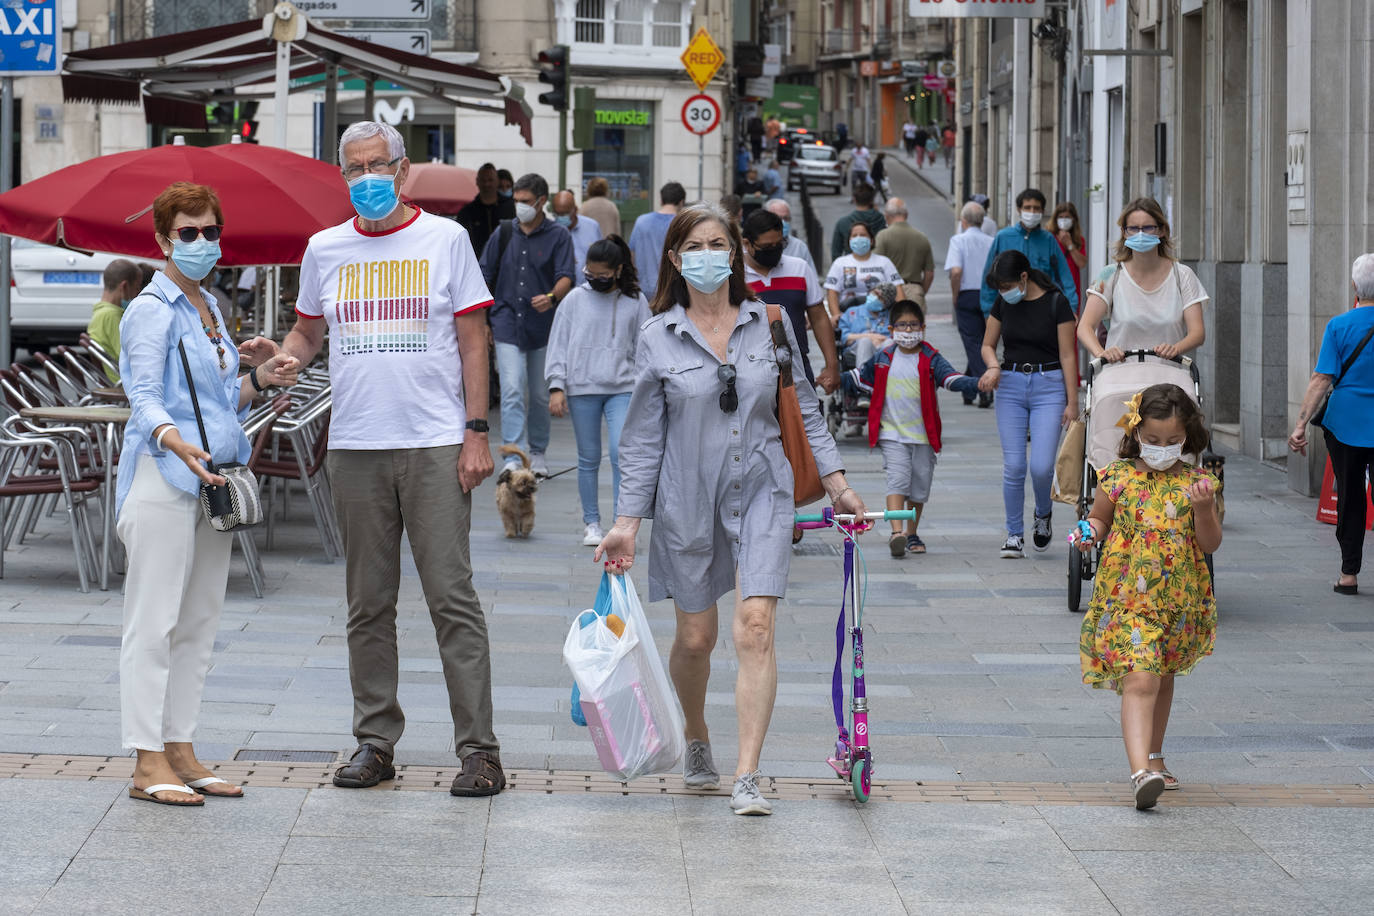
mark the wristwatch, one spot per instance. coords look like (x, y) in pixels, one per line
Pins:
(477, 426)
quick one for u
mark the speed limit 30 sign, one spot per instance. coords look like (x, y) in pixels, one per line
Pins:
(700, 114)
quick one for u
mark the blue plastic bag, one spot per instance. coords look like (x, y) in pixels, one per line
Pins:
(601, 607)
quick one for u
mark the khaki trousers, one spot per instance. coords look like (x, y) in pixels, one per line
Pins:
(377, 494)
(173, 594)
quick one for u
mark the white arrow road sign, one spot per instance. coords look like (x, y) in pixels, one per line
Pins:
(415, 41)
(365, 9)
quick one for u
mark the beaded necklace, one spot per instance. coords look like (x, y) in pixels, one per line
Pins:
(216, 338)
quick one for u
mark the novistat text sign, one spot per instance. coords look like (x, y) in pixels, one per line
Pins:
(971, 9)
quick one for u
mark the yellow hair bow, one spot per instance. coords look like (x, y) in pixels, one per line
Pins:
(1131, 418)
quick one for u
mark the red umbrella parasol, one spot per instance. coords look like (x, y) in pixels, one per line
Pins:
(440, 188)
(273, 201)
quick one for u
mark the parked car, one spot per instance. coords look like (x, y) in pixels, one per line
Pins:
(820, 165)
(52, 292)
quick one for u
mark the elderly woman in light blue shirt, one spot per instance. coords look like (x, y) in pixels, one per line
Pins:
(178, 564)
(701, 454)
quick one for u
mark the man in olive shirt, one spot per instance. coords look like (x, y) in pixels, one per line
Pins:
(908, 249)
(121, 280)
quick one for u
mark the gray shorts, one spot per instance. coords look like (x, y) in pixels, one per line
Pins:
(909, 468)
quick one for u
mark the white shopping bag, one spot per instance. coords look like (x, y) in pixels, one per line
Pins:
(632, 712)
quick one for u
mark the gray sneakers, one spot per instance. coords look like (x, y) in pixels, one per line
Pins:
(699, 770)
(746, 798)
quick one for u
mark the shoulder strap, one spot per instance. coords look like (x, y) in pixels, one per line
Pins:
(195, 402)
(780, 342)
(1350, 360)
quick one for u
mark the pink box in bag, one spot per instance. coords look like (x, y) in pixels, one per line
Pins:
(622, 721)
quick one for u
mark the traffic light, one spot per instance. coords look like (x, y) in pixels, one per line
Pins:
(247, 127)
(248, 130)
(553, 69)
(220, 114)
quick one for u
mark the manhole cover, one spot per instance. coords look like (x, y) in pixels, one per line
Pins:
(816, 548)
(252, 753)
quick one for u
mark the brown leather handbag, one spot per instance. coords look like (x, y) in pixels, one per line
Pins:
(806, 479)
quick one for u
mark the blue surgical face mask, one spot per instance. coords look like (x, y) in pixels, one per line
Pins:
(786, 229)
(373, 196)
(706, 270)
(124, 303)
(873, 303)
(860, 245)
(1013, 295)
(1141, 242)
(195, 259)
(510, 193)
(563, 219)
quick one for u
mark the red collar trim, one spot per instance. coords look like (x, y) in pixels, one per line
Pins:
(361, 231)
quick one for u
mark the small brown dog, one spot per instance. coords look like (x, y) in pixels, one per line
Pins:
(515, 495)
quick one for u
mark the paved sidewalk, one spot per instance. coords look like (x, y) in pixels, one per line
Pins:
(973, 682)
(937, 178)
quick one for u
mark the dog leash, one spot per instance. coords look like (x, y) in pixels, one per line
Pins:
(561, 473)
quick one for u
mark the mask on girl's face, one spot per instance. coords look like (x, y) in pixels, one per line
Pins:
(860, 245)
(706, 270)
(908, 339)
(1013, 295)
(768, 257)
(1030, 219)
(195, 259)
(1141, 242)
(1065, 223)
(600, 284)
(373, 196)
(1161, 457)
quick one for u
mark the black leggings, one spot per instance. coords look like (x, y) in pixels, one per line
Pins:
(1350, 465)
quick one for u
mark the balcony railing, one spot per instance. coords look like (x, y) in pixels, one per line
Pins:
(633, 34)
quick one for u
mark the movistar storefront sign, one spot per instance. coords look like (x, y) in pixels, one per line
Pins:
(613, 118)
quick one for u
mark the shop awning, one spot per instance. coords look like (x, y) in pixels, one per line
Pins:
(176, 76)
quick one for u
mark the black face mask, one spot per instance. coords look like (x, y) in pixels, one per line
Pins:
(600, 284)
(768, 257)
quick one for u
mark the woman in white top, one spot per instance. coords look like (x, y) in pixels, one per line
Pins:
(852, 275)
(1153, 302)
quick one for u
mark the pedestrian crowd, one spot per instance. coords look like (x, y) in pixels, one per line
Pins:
(675, 340)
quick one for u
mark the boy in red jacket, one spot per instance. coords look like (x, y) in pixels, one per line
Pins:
(903, 418)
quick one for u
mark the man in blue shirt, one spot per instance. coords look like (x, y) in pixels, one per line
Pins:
(1039, 247)
(646, 239)
(584, 231)
(528, 266)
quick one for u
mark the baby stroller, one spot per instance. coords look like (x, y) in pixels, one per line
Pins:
(1109, 387)
(847, 407)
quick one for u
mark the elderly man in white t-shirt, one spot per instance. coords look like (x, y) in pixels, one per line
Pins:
(403, 299)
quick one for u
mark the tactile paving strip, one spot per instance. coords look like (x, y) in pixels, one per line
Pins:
(438, 779)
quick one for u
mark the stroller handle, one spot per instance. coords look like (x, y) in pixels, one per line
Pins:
(829, 517)
(1096, 364)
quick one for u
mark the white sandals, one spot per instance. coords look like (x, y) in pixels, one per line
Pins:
(1170, 780)
(1149, 785)
(210, 781)
(150, 795)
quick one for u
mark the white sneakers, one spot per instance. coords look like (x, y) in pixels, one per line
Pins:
(592, 536)
(538, 465)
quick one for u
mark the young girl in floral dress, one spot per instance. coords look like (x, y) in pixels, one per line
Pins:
(1152, 614)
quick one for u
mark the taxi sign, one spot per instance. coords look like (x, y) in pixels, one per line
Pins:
(702, 58)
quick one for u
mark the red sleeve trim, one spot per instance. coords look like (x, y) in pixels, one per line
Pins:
(311, 317)
(361, 231)
(472, 308)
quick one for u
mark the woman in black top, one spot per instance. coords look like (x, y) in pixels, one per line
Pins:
(1036, 381)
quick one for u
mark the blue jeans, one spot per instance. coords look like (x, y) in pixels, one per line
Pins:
(522, 375)
(587, 411)
(1036, 403)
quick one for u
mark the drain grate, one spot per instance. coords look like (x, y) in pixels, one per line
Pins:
(815, 548)
(262, 756)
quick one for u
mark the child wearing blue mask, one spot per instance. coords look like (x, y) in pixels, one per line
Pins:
(903, 416)
(1037, 387)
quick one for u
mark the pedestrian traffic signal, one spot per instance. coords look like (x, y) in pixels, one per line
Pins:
(553, 69)
(248, 130)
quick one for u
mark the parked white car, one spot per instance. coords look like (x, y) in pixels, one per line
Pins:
(52, 292)
(820, 164)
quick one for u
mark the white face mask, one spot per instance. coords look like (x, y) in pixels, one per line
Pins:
(1065, 223)
(1029, 219)
(908, 339)
(1161, 457)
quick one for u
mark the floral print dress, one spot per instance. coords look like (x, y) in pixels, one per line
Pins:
(1152, 607)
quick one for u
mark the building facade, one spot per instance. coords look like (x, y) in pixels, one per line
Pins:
(1250, 122)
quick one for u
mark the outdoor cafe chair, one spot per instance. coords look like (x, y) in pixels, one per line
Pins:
(69, 389)
(300, 443)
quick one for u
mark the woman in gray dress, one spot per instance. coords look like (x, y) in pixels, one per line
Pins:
(701, 454)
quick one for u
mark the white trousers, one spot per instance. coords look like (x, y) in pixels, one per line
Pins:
(173, 594)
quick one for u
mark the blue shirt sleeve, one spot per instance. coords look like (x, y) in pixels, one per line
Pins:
(563, 259)
(145, 336)
(1329, 358)
(987, 295)
(488, 259)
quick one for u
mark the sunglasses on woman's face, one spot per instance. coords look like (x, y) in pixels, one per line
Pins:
(188, 233)
(729, 399)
